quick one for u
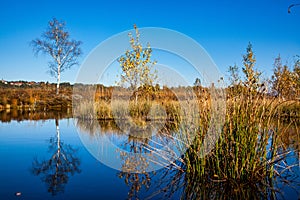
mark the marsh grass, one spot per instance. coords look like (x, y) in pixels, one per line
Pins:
(248, 151)
(142, 110)
(251, 155)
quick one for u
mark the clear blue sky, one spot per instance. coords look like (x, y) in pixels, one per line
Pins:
(223, 28)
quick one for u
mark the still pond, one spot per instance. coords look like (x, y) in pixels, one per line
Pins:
(46, 158)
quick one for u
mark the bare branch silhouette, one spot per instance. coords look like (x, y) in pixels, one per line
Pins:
(56, 171)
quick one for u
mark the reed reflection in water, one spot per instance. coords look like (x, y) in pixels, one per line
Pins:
(138, 148)
(134, 149)
(173, 182)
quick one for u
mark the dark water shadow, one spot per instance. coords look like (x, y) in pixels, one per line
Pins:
(20, 115)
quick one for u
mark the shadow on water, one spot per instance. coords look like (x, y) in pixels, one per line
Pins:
(62, 164)
(173, 183)
(20, 115)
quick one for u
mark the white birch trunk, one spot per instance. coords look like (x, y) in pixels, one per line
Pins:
(58, 80)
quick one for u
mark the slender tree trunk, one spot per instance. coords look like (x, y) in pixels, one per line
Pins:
(58, 80)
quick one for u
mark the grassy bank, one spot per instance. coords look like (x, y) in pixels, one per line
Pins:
(41, 97)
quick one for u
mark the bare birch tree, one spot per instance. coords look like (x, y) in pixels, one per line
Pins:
(56, 42)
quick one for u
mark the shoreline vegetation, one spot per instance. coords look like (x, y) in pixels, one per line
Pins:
(41, 97)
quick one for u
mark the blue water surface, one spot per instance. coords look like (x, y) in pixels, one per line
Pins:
(24, 142)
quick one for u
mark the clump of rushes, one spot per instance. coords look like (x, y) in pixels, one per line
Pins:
(248, 152)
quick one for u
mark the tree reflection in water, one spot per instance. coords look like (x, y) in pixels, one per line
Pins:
(131, 151)
(56, 171)
(135, 165)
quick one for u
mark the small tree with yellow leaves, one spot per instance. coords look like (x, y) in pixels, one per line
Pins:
(137, 66)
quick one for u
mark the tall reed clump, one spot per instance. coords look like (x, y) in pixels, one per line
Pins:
(247, 150)
(242, 153)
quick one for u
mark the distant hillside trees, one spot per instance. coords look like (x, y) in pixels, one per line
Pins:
(286, 82)
(296, 72)
(56, 43)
